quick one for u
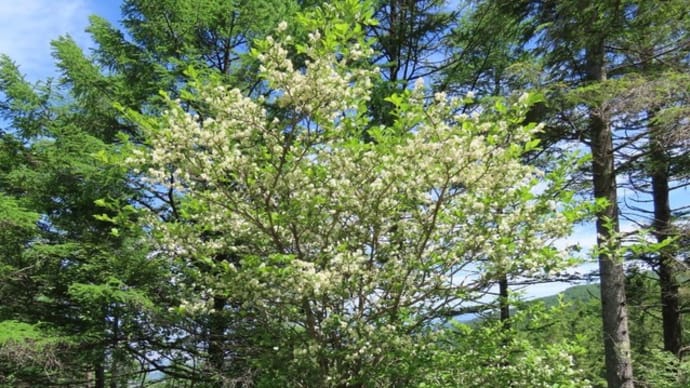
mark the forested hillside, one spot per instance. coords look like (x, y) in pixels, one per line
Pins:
(311, 193)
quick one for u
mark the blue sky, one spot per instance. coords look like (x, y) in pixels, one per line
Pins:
(28, 26)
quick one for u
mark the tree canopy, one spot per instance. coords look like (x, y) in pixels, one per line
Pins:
(270, 193)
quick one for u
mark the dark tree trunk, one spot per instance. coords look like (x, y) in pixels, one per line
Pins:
(216, 348)
(662, 227)
(100, 361)
(613, 299)
(115, 361)
(503, 300)
(99, 371)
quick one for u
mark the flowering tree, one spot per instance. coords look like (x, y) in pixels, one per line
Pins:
(349, 251)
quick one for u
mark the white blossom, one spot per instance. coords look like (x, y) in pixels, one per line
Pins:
(326, 222)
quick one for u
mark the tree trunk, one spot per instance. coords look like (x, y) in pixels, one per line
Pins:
(216, 338)
(114, 362)
(99, 371)
(503, 300)
(670, 310)
(613, 300)
(101, 357)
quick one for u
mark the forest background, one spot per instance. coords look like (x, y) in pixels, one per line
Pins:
(119, 267)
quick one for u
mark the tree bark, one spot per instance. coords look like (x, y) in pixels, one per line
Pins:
(101, 358)
(99, 371)
(613, 300)
(662, 228)
(217, 327)
(503, 300)
(114, 367)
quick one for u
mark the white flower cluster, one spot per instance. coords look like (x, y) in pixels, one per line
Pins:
(325, 88)
(343, 237)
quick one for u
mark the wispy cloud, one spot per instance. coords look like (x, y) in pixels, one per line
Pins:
(28, 26)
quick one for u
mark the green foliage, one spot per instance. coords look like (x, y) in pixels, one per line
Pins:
(18, 331)
(335, 255)
(26, 352)
(233, 200)
(22, 104)
(494, 354)
(578, 321)
(62, 271)
(659, 368)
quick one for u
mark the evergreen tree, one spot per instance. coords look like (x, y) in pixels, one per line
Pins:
(71, 276)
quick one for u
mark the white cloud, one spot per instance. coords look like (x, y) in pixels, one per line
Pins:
(28, 26)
